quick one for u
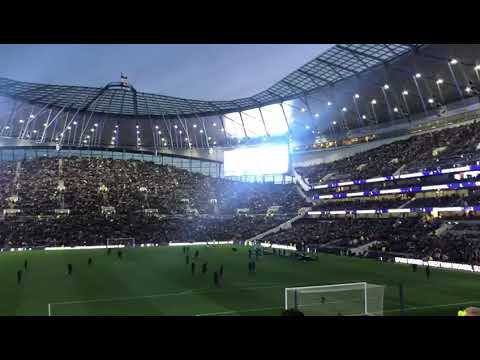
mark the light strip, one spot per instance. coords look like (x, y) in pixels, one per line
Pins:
(399, 210)
(412, 189)
(439, 264)
(200, 243)
(402, 176)
(83, 247)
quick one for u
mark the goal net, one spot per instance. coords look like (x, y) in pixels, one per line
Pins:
(334, 300)
(121, 242)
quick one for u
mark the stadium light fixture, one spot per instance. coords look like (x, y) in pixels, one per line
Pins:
(395, 109)
(159, 132)
(138, 132)
(468, 89)
(88, 136)
(112, 143)
(21, 121)
(56, 139)
(84, 141)
(329, 103)
(69, 128)
(32, 116)
(96, 125)
(317, 115)
(430, 101)
(116, 126)
(307, 127)
(194, 126)
(223, 130)
(201, 131)
(439, 81)
(114, 131)
(344, 109)
(214, 143)
(113, 138)
(214, 124)
(418, 75)
(374, 102)
(7, 127)
(92, 129)
(334, 123)
(180, 132)
(74, 123)
(303, 109)
(137, 126)
(175, 126)
(45, 124)
(163, 139)
(364, 117)
(405, 92)
(34, 131)
(386, 87)
(61, 134)
(454, 62)
(477, 68)
(356, 96)
(156, 127)
(186, 139)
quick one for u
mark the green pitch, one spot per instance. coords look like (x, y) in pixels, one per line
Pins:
(156, 281)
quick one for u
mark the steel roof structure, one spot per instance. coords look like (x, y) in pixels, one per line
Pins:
(337, 64)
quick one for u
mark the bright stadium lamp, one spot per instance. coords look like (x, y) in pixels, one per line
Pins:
(186, 139)
(430, 101)
(214, 143)
(137, 126)
(61, 134)
(223, 130)
(209, 138)
(476, 68)
(364, 117)
(374, 102)
(116, 126)
(418, 75)
(92, 129)
(395, 109)
(7, 127)
(138, 132)
(317, 115)
(344, 109)
(32, 116)
(405, 92)
(180, 132)
(194, 126)
(69, 128)
(96, 125)
(88, 136)
(303, 109)
(112, 143)
(159, 132)
(454, 62)
(74, 123)
(175, 126)
(214, 124)
(156, 127)
(201, 131)
(439, 81)
(468, 89)
(357, 96)
(34, 131)
(45, 124)
(56, 139)
(334, 123)
(114, 131)
(307, 127)
(329, 103)
(21, 121)
(84, 141)
(386, 87)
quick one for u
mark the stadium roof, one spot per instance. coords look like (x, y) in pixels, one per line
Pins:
(336, 64)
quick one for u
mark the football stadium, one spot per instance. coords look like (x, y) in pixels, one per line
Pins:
(345, 187)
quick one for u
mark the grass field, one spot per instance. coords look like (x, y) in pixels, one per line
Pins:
(156, 281)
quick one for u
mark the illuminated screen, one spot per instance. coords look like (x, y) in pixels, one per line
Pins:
(258, 160)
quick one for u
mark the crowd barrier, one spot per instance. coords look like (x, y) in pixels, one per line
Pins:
(439, 264)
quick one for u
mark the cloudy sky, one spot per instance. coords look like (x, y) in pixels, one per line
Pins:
(207, 72)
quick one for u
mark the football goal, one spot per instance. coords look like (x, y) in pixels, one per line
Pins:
(336, 300)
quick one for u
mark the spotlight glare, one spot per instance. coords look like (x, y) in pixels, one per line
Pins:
(32, 116)
(477, 67)
(194, 126)
(364, 117)
(156, 127)
(418, 75)
(439, 81)
(356, 96)
(395, 109)
(430, 101)
(334, 123)
(405, 92)
(303, 109)
(317, 115)
(454, 61)
(344, 109)
(374, 102)
(214, 124)
(74, 123)
(386, 87)
(329, 103)
(20, 121)
(468, 89)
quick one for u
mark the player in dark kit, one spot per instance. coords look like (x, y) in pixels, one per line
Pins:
(187, 260)
(414, 267)
(215, 278)
(69, 269)
(427, 272)
(204, 268)
(109, 251)
(220, 272)
(193, 268)
(90, 261)
(196, 254)
(249, 266)
(19, 276)
(25, 264)
(120, 254)
(249, 253)
(254, 266)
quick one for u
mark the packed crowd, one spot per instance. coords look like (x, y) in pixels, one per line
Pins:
(414, 152)
(122, 229)
(85, 185)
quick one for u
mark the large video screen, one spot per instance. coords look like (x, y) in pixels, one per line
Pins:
(257, 160)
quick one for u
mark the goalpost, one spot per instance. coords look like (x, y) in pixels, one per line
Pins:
(340, 299)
